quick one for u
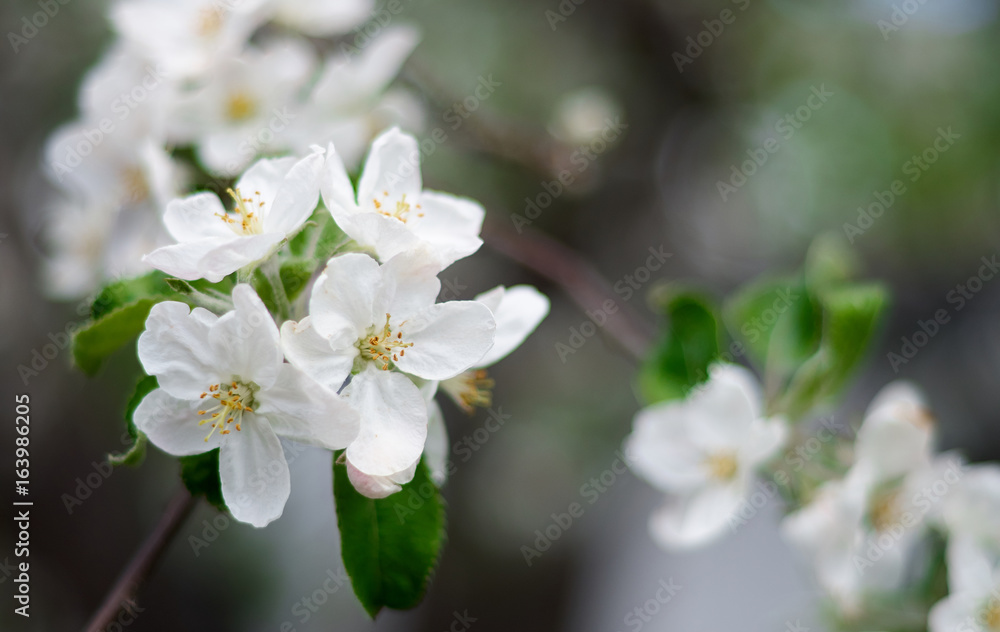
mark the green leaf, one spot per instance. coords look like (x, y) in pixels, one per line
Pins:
(830, 262)
(390, 546)
(102, 337)
(778, 321)
(200, 474)
(295, 275)
(689, 345)
(137, 452)
(851, 315)
(127, 291)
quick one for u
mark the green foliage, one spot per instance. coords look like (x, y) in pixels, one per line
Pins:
(390, 546)
(200, 474)
(135, 454)
(689, 345)
(95, 342)
(121, 293)
(295, 274)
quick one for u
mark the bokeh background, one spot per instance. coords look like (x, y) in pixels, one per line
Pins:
(657, 186)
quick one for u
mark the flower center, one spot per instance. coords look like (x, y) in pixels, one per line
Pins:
(134, 184)
(722, 465)
(382, 346)
(232, 400)
(470, 389)
(240, 106)
(990, 614)
(402, 210)
(883, 511)
(209, 21)
(245, 218)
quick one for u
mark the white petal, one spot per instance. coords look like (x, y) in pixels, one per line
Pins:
(246, 339)
(447, 338)
(660, 449)
(518, 313)
(224, 259)
(692, 521)
(343, 298)
(338, 192)
(254, 473)
(763, 440)
(172, 424)
(175, 348)
(196, 217)
(436, 446)
(393, 166)
(297, 196)
(451, 225)
(387, 236)
(727, 405)
(184, 260)
(409, 283)
(265, 177)
(952, 614)
(393, 422)
(315, 356)
(379, 486)
(304, 411)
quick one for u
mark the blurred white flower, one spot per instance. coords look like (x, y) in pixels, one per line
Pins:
(518, 311)
(223, 384)
(351, 102)
(391, 213)
(273, 200)
(320, 18)
(973, 603)
(245, 106)
(972, 511)
(582, 116)
(703, 451)
(860, 532)
(188, 37)
(366, 319)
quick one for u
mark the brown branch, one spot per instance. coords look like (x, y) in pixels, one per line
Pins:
(143, 562)
(584, 285)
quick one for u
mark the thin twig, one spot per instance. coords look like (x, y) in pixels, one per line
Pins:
(143, 562)
(581, 282)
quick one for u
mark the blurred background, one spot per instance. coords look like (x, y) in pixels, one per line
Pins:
(830, 102)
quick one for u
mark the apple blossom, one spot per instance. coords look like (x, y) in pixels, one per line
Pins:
(703, 451)
(273, 199)
(223, 384)
(391, 214)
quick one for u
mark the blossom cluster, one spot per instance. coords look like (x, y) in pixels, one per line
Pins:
(191, 87)
(366, 357)
(864, 519)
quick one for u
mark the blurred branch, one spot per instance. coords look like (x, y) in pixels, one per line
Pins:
(517, 143)
(144, 560)
(581, 282)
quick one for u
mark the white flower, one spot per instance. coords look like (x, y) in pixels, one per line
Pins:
(367, 319)
(351, 101)
(222, 384)
(972, 511)
(860, 532)
(973, 604)
(273, 199)
(518, 311)
(391, 214)
(703, 451)
(321, 17)
(187, 37)
(245, 105)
